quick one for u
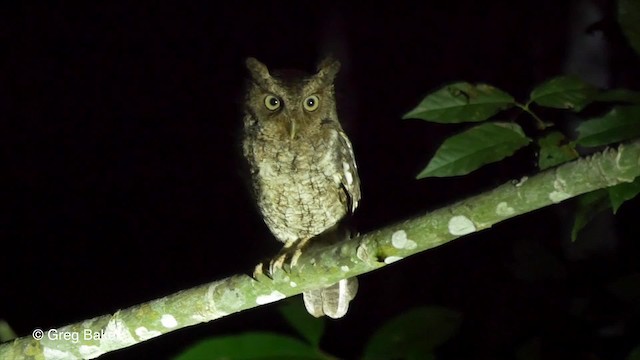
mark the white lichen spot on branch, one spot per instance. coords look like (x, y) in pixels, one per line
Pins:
(391, 259)
(293, 284)
(146, 334)
(274, 296)
(90, 351)
(50, 353)
(522, 181)
(461, 225)
(503, 209)
(344, 268)
(168, 321)
(559, 194)
(399, 240)
(115, 335)
(559, 184)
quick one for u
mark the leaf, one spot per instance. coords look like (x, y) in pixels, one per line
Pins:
(309, 327)
(251, 345)
(619, 96)
(6, 333)
(634, 354)
(621, 123)
(475, 147)
(589, 205)
(413, 334)
(564, 92)
(461, 102)
(629, 20)
(622, 192)
(554, 150)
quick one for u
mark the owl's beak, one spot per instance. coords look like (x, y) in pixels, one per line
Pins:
(292, 129)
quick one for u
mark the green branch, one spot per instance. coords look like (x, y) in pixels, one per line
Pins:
(322, 266)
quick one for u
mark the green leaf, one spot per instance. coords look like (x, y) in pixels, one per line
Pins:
(634, 354)
(251, 345)
(475, 147)
(621, 123)
(620, 193)
(309, 327)
(461, 102)
(564, 92)
(414, 334)
(618, 96)
(6, 333)
(554, 150)
(629, 20)
(589, 205)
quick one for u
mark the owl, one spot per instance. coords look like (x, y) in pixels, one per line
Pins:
(302, 169)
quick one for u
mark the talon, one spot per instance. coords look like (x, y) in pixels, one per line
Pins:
(295, 257)
(287, 258)
(277, 263)
(258, 272)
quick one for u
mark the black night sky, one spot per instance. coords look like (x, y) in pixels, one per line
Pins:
(120, 145)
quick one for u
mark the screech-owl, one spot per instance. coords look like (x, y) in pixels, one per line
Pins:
(302, 168)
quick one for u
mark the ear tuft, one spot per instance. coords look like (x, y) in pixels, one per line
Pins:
(328, 68)
(259, 71)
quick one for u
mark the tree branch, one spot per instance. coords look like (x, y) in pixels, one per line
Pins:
(323, 266)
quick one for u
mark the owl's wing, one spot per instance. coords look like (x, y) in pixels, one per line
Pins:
(350, 179)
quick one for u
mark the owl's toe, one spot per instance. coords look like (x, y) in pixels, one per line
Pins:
(277, 263)
(295, 257)
(258, 272)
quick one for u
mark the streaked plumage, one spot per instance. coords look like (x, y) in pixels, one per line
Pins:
(303, 171)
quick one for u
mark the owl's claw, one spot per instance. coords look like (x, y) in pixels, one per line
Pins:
(258, 272)
(287, 258)
(295, 257)
(268, 269)
(277, 263)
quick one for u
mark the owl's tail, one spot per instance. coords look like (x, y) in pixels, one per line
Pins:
(332, 301)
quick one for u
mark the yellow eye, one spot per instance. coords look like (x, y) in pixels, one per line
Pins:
(311, 103)
(272, 103)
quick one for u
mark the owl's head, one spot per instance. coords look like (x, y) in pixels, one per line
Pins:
(290, 103)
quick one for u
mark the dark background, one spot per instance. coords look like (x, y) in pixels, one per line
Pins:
(120, 144)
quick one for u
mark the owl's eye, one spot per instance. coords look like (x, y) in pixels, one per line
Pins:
(311, 103)
(272, 103)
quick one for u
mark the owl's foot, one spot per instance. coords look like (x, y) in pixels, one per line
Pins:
(284, 260)
(258, 272)
(277, 263)
(269, 268)
(288, 257)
